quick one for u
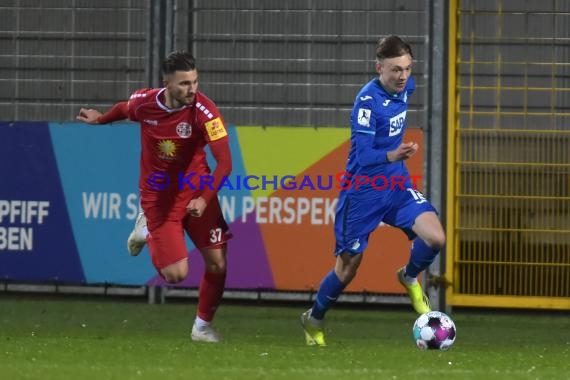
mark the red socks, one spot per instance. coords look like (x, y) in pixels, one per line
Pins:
(210, 294)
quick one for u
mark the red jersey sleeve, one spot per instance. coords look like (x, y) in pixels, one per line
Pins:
(137, 98)
(118, 112)
(211, 122)
(216, 135)
(222, 154)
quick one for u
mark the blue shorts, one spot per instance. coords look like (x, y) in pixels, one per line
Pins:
(356, 218)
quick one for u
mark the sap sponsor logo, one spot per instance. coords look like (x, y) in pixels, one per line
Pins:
(18, 218)
(397, 124)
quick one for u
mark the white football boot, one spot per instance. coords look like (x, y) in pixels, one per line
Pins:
(137, 238)
(205, 334)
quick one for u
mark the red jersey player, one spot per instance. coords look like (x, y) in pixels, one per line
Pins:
(177, 122)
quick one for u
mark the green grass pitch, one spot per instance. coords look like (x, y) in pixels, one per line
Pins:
(109, 339)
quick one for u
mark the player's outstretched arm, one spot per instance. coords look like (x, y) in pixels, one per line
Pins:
(119, 111)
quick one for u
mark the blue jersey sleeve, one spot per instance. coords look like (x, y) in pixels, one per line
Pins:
(366, 154)
(362, 118)
(363, 123)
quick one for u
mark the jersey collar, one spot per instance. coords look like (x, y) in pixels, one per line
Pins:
(164, 107)
(397, 95)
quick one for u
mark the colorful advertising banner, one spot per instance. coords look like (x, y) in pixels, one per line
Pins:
(69, 199)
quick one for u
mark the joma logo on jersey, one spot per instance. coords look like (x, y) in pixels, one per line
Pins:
(397, 123)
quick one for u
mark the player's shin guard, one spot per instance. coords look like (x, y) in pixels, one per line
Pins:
(421, 257)
(210, 294)
(331, 287)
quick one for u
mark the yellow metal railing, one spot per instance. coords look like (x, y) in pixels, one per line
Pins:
(508, 173)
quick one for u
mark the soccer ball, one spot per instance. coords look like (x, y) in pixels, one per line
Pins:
(434, 331)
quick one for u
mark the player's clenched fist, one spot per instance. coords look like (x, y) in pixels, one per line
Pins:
(403, 152)
(196, 207)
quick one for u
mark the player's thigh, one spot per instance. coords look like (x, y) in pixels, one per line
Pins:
(166, 244)
(406, 207)
(355, 219)
(210, 229)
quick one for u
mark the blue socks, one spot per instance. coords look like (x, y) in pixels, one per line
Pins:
(421, 257)
(330, 289)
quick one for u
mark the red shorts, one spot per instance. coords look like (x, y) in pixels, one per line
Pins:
(166, 232)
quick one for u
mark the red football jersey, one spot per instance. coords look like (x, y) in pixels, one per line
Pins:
(172, 142)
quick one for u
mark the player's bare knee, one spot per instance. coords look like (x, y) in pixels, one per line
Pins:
(174, 278)
(216, 267)
(346, 274)
(175, 275)
(436, 240)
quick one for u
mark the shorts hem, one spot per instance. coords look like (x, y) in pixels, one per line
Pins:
(351, 252)
(174, 262)
(217, 245)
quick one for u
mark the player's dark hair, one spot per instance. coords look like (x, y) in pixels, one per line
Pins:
(178, 61)
(392, 47)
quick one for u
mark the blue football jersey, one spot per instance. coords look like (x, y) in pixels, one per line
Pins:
(378, 123)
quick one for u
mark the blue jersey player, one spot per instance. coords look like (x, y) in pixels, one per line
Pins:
(380, 190)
